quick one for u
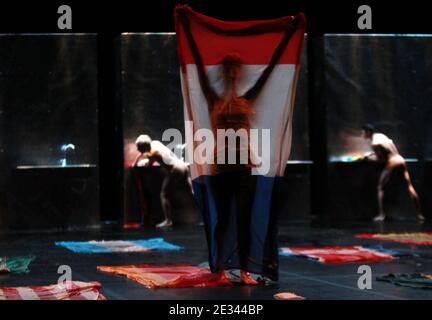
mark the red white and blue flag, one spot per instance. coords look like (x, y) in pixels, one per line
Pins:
(239, 75)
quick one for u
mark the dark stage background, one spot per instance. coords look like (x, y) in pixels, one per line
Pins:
(48, 97)
(384, 80)
(90, 90)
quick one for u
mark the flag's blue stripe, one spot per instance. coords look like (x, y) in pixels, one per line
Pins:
(260, 215)
(262, 247)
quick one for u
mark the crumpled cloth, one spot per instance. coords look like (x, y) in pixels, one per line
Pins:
(169, 276)
(69, 290)
(153, 244)
(413, 280)
(15, 264)
(287, 296)
(417, 238)
(334, 255)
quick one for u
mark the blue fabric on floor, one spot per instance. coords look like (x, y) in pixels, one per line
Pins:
(157, 244)
(288, 254)
(380, 248)
(154, 244)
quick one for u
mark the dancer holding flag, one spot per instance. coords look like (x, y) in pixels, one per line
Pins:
(238, 77)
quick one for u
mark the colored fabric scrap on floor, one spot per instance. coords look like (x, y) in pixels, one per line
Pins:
(154, 244)
(413, 280)
(287, 296)
(15, 264)
(72, 290)
(334, 255)
(417, 238)
(169, 276)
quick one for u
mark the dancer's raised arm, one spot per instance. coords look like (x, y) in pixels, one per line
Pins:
(209, 94)
(253, 92)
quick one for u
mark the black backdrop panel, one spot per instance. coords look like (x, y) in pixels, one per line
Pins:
(152, 100)
(386, 81)
(300, 141)
(48, 92)
(48, 97)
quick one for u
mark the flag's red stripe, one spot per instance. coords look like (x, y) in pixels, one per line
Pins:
(253, 41)
(10, 294)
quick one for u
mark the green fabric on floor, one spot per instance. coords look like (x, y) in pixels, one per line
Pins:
(412, 280)
(16, 264)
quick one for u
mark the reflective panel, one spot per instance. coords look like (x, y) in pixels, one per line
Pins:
(384, 80)
(48, 123)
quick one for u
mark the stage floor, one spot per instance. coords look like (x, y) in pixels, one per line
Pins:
(309, 279)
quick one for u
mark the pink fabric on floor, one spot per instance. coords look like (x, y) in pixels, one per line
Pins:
(287, 296)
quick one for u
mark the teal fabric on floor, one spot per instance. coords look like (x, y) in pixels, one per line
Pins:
(157, 244)
(154, 244)
(16, 264)
(412, 280)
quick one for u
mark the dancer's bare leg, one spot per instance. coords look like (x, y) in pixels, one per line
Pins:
(381, 184)
(166, 206)
(414, 196)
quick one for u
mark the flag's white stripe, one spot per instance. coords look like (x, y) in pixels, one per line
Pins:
(28, 294)
(60, 292)
(273, 107)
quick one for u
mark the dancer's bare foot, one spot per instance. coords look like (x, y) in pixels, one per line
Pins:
(379, 218)
(164, 224)
(246, 278)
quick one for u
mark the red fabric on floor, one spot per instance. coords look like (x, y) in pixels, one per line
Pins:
(169, 276)
(333, 255)
(417, 238)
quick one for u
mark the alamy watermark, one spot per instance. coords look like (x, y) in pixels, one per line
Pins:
(365, 280)
(227, 146)
(65, 280)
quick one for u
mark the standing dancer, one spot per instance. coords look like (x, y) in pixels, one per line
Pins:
(236, 201)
